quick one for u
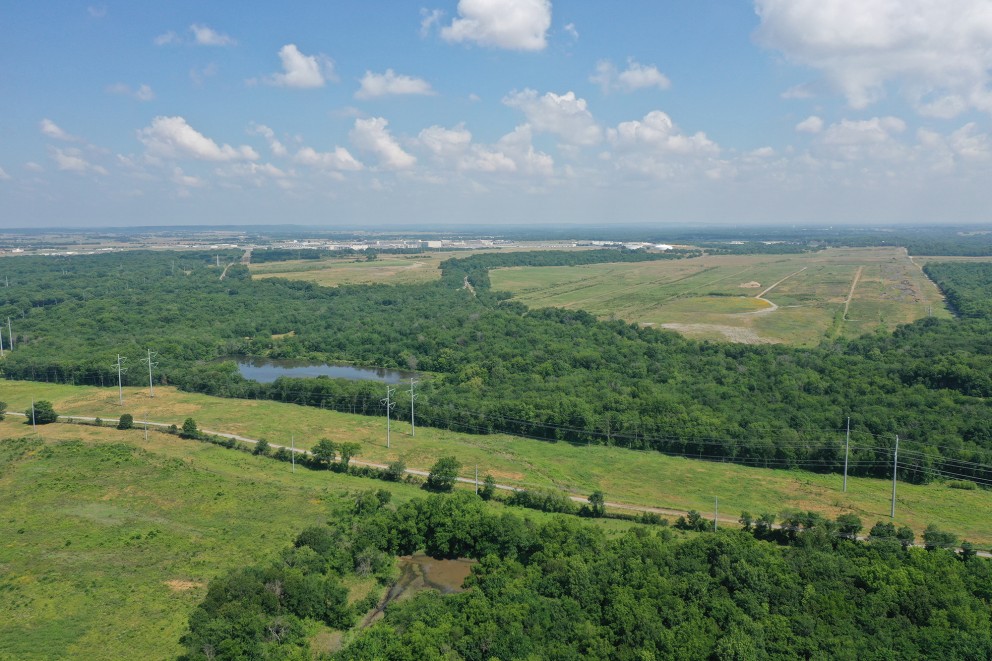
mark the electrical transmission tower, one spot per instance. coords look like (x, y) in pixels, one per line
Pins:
(389, 407)
(413, 396)
(151, 387)
(120, 377)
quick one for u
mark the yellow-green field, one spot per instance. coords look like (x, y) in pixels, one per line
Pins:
(387, 269)
(391, 269)
(794, 299)
(638, 478)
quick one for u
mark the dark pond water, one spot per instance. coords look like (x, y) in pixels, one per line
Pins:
(266, 371)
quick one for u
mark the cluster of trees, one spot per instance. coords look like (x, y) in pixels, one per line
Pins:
(562, 589)
(495, 366)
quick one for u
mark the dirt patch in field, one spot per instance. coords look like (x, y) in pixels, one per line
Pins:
(178, 585)
(504, 475)
(754, 284)
(731, 333)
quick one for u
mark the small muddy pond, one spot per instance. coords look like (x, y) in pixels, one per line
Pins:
(421, 572)
(266, 370)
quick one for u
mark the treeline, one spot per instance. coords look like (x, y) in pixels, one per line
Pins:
(965, 285)
(266, 255)
(495, 366)
(476, 268)
(566, 590)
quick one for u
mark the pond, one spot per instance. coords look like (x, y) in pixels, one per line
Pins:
(266, 370)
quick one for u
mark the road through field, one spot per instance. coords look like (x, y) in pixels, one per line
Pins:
(628, 507)
(850, 294)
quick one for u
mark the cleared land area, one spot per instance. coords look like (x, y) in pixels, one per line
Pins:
(637, 478)
(792, 299)
(391, 269)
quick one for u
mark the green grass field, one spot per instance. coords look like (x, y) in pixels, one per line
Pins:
(107, 542)
(638, 478)
(804, 298)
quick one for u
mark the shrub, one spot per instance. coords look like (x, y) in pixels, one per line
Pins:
(395, 471)
(126, 422)
(967, 485)
(189, 429)
(443, 475)
(41, 414)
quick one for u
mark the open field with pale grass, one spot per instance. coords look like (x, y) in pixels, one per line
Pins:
(793, 299)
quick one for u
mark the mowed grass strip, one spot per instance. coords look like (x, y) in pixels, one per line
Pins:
(632, 477)
(707, 295)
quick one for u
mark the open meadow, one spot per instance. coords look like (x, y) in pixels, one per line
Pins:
(795, 299)
(626, 476)
(108, 541)
(391, 269)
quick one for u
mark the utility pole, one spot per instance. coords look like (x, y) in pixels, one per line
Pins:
(389, 407)
(847, 447)
(292, 452)
(895, 467)
(1, 342)
(34, 425)
(716, 511)
(10, 335)
(477, 479)
(413, 396)
(151, 388)
(146, 426)
(120, 377)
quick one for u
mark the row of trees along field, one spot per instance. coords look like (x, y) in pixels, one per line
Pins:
(492, 365)
(566, 590)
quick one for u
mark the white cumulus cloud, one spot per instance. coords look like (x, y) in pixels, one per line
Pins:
(863, 140)
(278, 149)
(339, 159)
(654, 146)
(3, 175)
(937, 53)
(173, 137)
(635, 77)
(565, 115)
(510, 24)
(71, 160)
(205, 36)
(141, 93)
(811, 124)
(372, 135)
(53, 130)
(390, 83)
(453, 148)
(301, 71)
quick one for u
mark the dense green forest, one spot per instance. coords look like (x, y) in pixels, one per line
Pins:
(493, 365)
(565, 590)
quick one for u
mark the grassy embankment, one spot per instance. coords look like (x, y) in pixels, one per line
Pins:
(107, 541)
(714, 297)
(639, 478)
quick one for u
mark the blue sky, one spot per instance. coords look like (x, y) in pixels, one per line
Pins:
(378, 112)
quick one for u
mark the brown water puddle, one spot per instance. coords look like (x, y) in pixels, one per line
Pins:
(421, 572)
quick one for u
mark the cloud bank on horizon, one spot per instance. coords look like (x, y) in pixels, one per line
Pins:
(490, 111)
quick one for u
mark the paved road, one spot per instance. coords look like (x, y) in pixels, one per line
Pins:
(138, 424)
